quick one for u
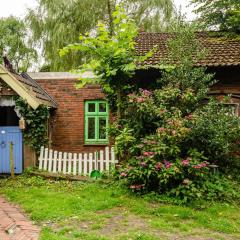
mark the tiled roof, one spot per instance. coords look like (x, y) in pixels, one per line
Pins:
(26, 87)
(39, 92)
(220, 52)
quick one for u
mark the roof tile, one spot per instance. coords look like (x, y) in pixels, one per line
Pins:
(220, 52)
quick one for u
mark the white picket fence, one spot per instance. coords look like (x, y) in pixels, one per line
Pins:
(76, 164)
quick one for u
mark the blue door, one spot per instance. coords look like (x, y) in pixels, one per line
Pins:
(8, 135)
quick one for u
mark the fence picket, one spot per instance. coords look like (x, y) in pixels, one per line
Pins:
(107, 158)
(59, 162)
(55, 161)
(101, 161)
(45, 159)
(79, 164)
(90, 163)
(50, 160)
(69, 163)
(76, 164)
(85, 163)
(96, 160)
(64, 163)
(41, 158)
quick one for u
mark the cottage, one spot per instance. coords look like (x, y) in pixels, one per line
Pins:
(79, 117)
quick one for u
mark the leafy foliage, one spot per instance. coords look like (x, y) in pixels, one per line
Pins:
(35, 133)
(14, 42)
(177, 134)
(113, 58)
(56, 23)
(215, 131)
(220, 14)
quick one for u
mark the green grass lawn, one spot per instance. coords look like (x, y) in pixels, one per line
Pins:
(101, 211)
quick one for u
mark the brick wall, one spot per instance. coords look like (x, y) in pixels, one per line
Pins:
(68, 119)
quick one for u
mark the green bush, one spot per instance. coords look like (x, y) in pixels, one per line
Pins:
(215, 131)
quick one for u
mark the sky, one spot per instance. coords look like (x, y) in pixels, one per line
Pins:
(18, 7)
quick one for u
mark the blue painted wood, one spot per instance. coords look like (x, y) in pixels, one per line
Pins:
(7, 135)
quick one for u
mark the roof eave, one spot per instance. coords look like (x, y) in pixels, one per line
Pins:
(22, 91)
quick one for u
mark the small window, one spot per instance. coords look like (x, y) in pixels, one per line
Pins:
(96, 122)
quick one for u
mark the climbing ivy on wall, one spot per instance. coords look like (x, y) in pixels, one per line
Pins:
(35, 132)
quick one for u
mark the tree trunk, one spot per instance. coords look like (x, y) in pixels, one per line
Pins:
(109, 6)
(119, 104)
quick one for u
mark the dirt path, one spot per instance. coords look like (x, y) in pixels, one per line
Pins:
(14, 225)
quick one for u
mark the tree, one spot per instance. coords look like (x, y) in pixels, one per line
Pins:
(56, 23)
(219, 14)
(14, 42)
(113, 58)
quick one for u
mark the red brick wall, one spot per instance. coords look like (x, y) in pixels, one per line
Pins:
(68, 119)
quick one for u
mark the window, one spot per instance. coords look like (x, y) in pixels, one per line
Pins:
(96, 122)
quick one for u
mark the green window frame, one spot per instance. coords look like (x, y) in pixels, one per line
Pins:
(96, 122)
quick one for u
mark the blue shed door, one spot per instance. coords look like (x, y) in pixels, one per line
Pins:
(8, 135)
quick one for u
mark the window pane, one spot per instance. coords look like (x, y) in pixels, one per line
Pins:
(91, 128)
(102, 107)
(91, 107)
(102, 128)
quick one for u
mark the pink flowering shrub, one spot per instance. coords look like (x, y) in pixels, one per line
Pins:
(178, 135)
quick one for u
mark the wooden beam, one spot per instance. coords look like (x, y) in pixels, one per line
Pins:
(19, 88)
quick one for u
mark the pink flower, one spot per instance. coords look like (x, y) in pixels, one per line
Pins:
(143, 164)
(123, 174)
(146, 154)
(189, 117)
(153, 142)
(200, 165)
(167, 164)
(140, 100)
(158, 166)
(185, 162)
(146, 93)
(161, 129)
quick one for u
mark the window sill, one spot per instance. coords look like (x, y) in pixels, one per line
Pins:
(96, 144)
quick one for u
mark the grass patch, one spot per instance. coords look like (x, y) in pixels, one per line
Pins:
(89, 211)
